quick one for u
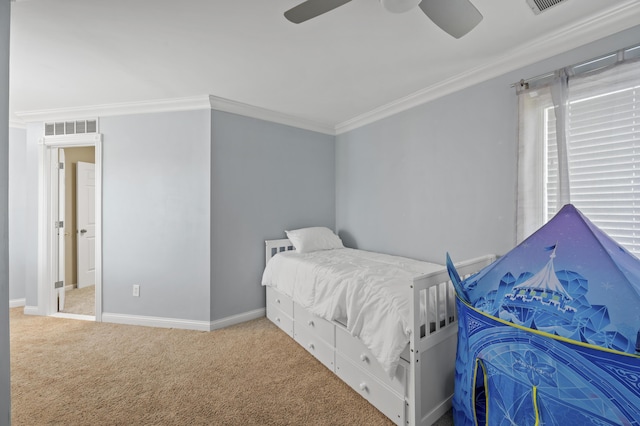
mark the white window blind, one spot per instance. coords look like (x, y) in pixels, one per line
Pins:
(603, 142)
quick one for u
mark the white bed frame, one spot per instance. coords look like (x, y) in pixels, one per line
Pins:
(421, 391)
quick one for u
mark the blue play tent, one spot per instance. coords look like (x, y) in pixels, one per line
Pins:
(548, 334)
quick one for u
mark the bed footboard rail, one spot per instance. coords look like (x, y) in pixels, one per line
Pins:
(433, 340)
(434, 300)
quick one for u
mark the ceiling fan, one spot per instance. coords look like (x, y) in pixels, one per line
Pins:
(456, 17)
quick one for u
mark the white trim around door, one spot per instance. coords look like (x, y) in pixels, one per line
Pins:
(47, 215)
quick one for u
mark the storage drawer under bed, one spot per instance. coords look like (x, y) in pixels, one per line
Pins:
(355, 351)
(390, 403)
(315, 334)
(313, 324)
(317, 347)
(280, 310)
(280, 301)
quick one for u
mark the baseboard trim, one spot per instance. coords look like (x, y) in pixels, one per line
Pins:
(237, 319)
(438, 411)
(74, 316)
(31, 310)
(181, 323)
(155, 321)
(16, 303)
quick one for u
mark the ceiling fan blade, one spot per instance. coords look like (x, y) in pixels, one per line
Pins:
(312, 8)
(456, 17)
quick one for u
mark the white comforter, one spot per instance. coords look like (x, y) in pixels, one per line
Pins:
(370, 290)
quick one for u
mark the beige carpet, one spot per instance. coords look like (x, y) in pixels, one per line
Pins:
(80, 301)
(69, 372)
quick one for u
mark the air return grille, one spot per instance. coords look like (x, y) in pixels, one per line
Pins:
(539, 6)
(70, 127)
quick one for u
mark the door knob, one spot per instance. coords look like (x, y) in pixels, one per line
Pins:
(83, 231)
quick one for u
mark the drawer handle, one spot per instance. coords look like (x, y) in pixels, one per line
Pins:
(364, 387)
(277, 319)
(364, 358)
(311, 346)
(310, 323)
(277, 300)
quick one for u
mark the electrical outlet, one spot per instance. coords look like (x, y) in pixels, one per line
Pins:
(136, 290)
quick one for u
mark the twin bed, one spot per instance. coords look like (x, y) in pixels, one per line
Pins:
(386, 325)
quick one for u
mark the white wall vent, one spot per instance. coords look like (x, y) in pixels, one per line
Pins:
(539, 6)
(71, 127)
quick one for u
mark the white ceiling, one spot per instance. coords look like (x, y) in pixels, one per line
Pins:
(356, 62)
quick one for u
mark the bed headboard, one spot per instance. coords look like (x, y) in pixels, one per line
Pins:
(274, 247)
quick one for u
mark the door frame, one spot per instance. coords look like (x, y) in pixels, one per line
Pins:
(62, 195)
(48, 212)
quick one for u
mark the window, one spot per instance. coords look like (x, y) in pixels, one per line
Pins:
(602, 140)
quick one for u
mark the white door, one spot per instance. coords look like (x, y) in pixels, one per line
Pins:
(85, 220)
(61, 229)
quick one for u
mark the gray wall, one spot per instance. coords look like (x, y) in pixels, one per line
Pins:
(426, 181)
(35, 132)
(442, 176)
(265, 178)
(156, 198)
(23, 224)
(5, 381)
(188, 200)
(189, 197)
(17, 218)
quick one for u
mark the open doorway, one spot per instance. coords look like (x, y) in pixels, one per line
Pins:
(78, 253)
(60, 236)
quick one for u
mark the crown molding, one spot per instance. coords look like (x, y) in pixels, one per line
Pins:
(618, 18)
(171, 105)
(125, 108)
(17, 124)
(614, 20)
(234, 107)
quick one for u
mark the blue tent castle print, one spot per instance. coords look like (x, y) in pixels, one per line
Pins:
(548, 333)
(554, 302)
(545, 289)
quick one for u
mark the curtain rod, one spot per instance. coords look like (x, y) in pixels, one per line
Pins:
(619, 55)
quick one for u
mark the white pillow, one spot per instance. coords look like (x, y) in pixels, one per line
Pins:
(306, 240)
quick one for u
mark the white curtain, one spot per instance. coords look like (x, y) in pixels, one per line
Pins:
(579, 143)
(548, 97)
(532, 106)
(560, 96)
